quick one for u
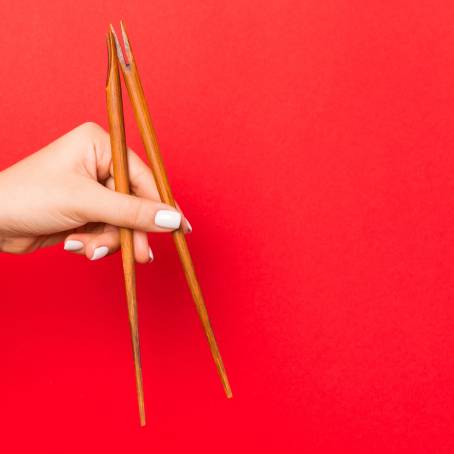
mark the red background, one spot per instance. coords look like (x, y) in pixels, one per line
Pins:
(311, 145)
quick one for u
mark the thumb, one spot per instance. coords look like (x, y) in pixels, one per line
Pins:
(123, 210)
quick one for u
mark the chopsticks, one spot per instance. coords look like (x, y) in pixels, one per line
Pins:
(149, 139)
(121, 177)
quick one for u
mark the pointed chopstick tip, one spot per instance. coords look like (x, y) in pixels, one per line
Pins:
(126, 42)
(120, 55)
(227, 389)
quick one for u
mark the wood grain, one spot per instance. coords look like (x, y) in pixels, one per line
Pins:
(121, 177)
(149, 139)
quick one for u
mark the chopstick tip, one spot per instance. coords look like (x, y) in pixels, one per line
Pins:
(126, 42)
(120, 56)
(122, 26)
(228, 391)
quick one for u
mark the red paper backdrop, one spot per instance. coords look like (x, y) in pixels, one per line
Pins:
(311, 146)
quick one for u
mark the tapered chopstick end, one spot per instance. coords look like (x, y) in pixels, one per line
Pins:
(126, 42)
(228, 390)
(120, 55)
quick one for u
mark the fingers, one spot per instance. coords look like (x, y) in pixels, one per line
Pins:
(99, 204)
(187, 228)
(96, 245)
(96, 203)
(140, 175)
(142, 182)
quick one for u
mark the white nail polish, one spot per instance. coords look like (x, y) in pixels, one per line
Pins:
(100, 252)
(150, 255)
(189, 226)
(167, 219)
(73, 245)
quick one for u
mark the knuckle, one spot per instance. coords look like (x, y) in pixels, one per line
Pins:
(91, 129)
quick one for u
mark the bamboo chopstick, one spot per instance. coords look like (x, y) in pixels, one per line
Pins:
(147, 132)
(121, 177)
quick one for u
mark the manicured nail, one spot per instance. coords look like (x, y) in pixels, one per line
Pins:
(167, 219)
(73, 245)
(100, 252)
(150, 255)
(189, 226)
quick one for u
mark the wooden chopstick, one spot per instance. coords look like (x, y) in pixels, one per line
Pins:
(121, 177)
(147, 132)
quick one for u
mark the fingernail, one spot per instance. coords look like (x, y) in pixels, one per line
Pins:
(150, 255)
(167, 219)
(189, 226)
(100, 252)
(73, 245)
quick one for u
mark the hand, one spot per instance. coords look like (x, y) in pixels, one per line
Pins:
(66, 192)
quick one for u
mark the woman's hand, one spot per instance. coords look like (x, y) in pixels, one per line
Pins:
(66, 192)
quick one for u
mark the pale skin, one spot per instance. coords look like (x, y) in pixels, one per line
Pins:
(65, 192)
